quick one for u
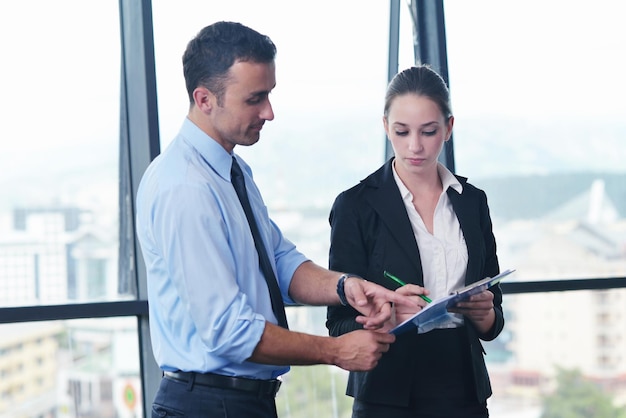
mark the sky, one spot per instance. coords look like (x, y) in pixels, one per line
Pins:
(551, 56)
(321, 51)
(538, 58)
(551, 70)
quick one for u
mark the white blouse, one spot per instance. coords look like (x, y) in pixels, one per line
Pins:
(444, 252)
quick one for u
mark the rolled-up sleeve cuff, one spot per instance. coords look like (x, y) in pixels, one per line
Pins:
(244, 343)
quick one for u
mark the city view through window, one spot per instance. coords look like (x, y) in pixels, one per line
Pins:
(539, 126)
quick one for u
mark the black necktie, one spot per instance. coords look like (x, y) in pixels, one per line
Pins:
(239, 184)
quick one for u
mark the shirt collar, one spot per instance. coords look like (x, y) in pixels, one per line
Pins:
(447, 180)
(213, 153)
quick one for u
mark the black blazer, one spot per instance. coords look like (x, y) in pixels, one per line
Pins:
(371, 233)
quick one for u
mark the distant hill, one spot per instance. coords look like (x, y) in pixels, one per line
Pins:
(532, 196)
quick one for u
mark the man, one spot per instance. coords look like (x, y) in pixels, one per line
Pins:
(212, 323)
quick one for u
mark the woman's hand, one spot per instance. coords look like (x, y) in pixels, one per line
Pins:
(413, 292)
(478, 309)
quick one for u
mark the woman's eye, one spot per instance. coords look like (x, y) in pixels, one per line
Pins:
(429, 133)
(402, 133)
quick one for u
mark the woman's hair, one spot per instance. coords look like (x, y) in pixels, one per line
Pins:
(216, 48)
(421, 81)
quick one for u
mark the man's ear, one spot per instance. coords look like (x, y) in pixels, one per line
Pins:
(204, 99)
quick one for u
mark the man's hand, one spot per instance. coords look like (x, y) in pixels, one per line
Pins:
(374, 302)
(360, 350)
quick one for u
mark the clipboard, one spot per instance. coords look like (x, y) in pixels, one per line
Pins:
(438, 308)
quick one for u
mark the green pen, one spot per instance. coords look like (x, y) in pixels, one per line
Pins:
(401, 283)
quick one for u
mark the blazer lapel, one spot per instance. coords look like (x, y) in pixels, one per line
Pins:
(385, 199)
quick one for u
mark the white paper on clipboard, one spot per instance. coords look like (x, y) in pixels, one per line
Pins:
(439, 307)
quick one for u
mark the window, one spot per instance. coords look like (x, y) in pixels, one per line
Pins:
(539, 125)
(60, 158)
(59, 204)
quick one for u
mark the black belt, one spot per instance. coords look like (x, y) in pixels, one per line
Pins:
(259, 387)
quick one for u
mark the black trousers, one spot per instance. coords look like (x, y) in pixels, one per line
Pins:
(444, 385)
(180, 399)
(367, 410)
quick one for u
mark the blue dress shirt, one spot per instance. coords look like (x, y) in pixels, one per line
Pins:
(208, 300)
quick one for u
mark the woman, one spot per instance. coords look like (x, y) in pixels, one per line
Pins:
(414, 219)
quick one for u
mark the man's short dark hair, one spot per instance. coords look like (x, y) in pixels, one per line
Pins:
(216, 48)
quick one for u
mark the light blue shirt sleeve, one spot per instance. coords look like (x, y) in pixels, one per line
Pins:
(207, 297)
